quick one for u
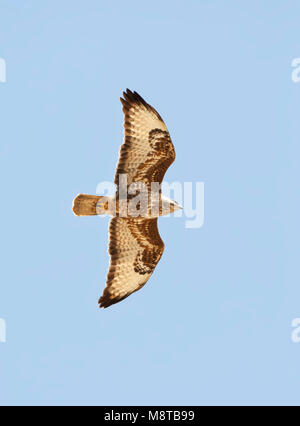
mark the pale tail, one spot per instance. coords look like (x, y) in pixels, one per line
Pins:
(90, 205)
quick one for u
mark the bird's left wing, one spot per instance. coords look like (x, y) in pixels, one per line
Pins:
(135, 248)
(147, 151)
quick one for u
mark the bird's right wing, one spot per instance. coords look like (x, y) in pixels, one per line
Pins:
(135, 248)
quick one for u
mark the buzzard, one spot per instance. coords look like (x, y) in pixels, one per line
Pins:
(135, 246)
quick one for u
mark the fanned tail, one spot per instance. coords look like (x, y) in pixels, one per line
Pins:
(90, 205)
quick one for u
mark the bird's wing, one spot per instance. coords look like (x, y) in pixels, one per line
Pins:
(147, 151)
(135, 248)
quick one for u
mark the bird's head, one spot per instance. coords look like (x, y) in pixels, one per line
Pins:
(175, 206)
(169, 206)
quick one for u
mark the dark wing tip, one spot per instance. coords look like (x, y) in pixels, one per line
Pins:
(107, 300)
(130, 97)
(133, 98)
(104, 301)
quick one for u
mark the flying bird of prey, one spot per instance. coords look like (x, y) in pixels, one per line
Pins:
(135, 246)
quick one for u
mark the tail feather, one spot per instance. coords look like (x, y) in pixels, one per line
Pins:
(86, 205)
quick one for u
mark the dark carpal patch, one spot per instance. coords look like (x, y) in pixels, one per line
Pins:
(146, 233)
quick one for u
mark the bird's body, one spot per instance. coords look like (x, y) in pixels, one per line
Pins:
(90, 205)
(135, 246)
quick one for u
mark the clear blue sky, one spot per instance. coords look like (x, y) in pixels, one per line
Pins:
(213, 325)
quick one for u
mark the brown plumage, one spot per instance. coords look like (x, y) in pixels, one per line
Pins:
(135, 246)
(147, 151)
